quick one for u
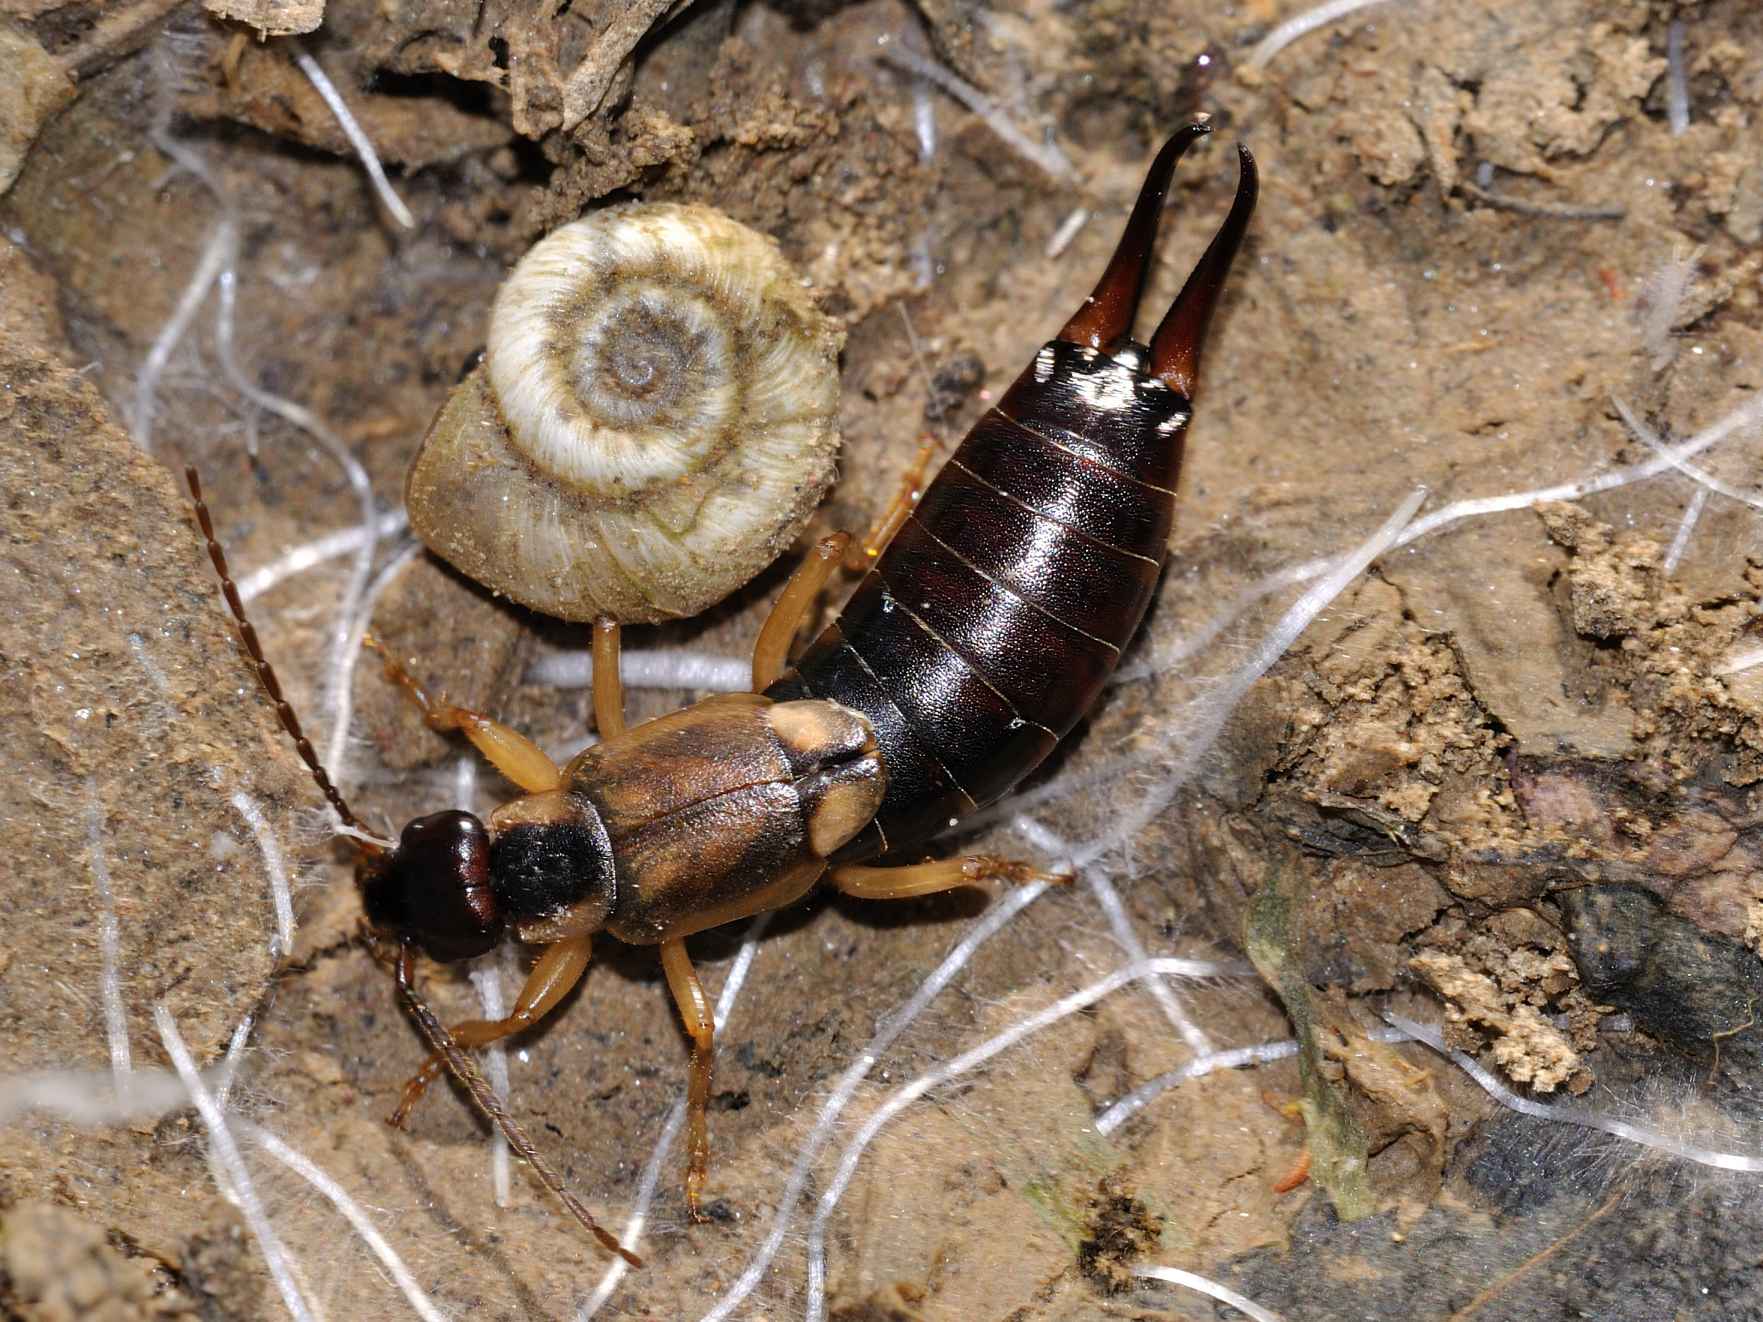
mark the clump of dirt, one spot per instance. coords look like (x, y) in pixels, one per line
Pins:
(1391, 739)
(1527, 1047)
(1121, 1231)
(37, 87)
(1662, 649)
(56, 1266)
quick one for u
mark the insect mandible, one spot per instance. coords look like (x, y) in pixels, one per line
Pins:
(981, 635)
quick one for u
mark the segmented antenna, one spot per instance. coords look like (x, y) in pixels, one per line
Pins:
(265, 672)
(442, 1044)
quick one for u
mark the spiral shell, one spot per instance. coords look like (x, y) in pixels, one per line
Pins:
(654, 420)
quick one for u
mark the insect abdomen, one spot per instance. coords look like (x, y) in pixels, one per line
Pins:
(992, 620)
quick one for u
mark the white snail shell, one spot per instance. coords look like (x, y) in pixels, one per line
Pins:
(655, 419)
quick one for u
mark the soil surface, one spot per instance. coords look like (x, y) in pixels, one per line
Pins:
(1508, 782)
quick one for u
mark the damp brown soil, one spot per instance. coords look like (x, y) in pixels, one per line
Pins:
(1501, 783)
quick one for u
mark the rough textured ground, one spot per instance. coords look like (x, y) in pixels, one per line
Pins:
(1499, 784)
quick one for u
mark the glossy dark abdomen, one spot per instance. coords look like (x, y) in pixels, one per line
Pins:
(988, 626)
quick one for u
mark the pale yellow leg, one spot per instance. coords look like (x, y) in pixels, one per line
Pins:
(559, 968)
(608, 682)
(694, 1008)
(509, 751)
(903, 883)
(861, 555)
(772, 650)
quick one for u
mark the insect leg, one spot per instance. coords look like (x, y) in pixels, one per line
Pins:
(861, 555)
(694, 1008)
(772, 650)
(913, 879)
(608, 682)
(509, 751)
(473, 1081)
(559, 969)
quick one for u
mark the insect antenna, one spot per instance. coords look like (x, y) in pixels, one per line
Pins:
(266, 672)
(443, 1044)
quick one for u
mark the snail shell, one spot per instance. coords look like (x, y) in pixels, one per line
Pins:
(653, 423)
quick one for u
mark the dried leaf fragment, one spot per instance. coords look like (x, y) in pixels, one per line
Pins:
(271, 18)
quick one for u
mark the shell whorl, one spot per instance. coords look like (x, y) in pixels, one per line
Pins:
(654, 420)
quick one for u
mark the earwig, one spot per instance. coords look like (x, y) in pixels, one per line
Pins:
(983, 632)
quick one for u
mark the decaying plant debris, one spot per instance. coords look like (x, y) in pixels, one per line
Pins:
(1507, 782)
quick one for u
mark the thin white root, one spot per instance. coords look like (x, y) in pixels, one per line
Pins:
(1108, 900)
(984, 928)
(1695, 472)
(352, 1212)
(1687, 525)
(342, 662)
(1745, 416)
(235, 1056)
(217, 255)
(89, 1097)
(343, 675)
(1068, 230)
(924, 120)
(648, 670)
(1043, 154)
(1567, 1113)
(358, 139)
(1206, 717)
(116, 1023)
(1261, 1053)
(1192, 644)
(356, 833)
(344, 541)
(1677, 85)
(1302, 26)
(1748, 659)
(275, 867)
(1136, 1100)
(952, 1069)
(226, 1153)
(486, 979)
(1223, 1293)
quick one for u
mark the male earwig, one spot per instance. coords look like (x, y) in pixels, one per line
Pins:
(981, 635)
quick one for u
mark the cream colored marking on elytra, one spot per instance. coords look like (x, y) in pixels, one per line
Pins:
(583, 918)
(817, 731)
(842, 811)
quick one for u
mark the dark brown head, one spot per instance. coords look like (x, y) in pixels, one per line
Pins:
(543, 866)
(434, 888)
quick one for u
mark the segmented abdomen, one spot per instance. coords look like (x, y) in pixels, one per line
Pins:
(988, 626)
